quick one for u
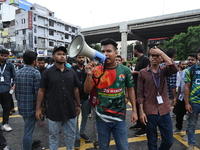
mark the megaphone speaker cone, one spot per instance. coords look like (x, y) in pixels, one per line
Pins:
(78, 46)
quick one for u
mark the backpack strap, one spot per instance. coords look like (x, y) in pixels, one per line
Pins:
(192, 72)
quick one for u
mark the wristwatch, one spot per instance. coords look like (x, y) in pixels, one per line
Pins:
(78, 105)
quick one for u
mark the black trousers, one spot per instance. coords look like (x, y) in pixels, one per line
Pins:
(2, 140)
(5, 100)
(180, 112)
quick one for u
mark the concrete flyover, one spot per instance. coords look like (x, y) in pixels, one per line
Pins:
(143, 29)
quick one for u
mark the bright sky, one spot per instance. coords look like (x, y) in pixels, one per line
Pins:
(89, 13)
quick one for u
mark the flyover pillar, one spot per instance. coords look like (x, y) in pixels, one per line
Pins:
(145, 46)
(124, 30)
(124, 45)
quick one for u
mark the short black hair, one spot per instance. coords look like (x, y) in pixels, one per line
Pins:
(41, 59)
(109, 41)
(119, 56)
(139, 48)
(171, 52)
(29, 57)
(4, 51)
(193, 55)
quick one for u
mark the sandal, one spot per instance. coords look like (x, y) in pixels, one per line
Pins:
(41, 124)
(96, 144)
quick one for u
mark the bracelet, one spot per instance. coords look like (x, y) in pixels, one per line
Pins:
(126, 97)
(141, 112)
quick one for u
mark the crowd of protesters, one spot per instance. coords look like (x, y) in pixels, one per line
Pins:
(60, 89)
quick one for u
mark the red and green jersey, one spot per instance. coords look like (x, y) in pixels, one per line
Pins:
(111, 92)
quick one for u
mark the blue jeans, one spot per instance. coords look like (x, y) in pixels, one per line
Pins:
(192, 122)
(119, 131)
(165, 125)
(85, 108)
(28, 131)
(69, 130)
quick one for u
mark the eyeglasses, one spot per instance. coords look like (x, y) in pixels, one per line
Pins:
(154, 55)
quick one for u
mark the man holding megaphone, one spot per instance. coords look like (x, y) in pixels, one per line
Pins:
(110, 81)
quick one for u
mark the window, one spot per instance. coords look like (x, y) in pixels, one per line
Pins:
(0, 6)
(24, 31)
(23, 21)
(51, 23)
(0, 16)
(66, 27)
(51, 32)
(66, 36)
(73, 30)
(24, 42)
(50, 43)
(34, 17)
(35, 29)
(35, 39)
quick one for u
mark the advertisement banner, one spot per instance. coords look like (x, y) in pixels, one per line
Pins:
(30, 20)
(30, 37)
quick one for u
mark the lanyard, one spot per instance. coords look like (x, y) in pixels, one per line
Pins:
(154, 79)
(2, 71)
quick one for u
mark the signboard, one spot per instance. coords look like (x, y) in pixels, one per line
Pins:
(24, 5)
(30, 38)
(2, 0)
(30, 20)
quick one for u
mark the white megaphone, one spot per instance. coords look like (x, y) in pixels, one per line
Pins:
(78, 46)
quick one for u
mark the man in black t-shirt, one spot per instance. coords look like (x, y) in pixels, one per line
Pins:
(59, 86)
(142, 62)
(85, 107)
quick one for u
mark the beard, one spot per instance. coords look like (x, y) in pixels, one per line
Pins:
(60, 62)
(81, 63)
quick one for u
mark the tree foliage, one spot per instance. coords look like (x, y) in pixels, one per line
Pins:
(185, 43)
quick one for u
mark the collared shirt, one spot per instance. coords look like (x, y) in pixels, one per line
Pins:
(147, 90)
(181, 84)
(171, 84)
(8, 74)
(195, 84)
(59, 93)
(27, 83)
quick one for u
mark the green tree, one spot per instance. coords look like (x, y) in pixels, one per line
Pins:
(184, 43)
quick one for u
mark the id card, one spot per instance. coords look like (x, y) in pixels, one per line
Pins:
(2, 79)
(159, 99)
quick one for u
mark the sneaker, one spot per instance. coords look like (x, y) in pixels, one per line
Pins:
(190, 147)
(6, 148)
(177, 131)
(185, 137)
(36, 143)
(185, 117)
(90, 116)
(6, 127)
(85, 137)
(77, 144)
(140, 133)
(135, 127)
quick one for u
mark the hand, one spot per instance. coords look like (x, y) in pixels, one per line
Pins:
(188, 108)
(174, 102)
(134, 117)
(155, 51)
(143, 118)
(89, 68)
(38, 113)
(78, 110)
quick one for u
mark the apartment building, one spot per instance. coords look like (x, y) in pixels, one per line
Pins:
(38, 30)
